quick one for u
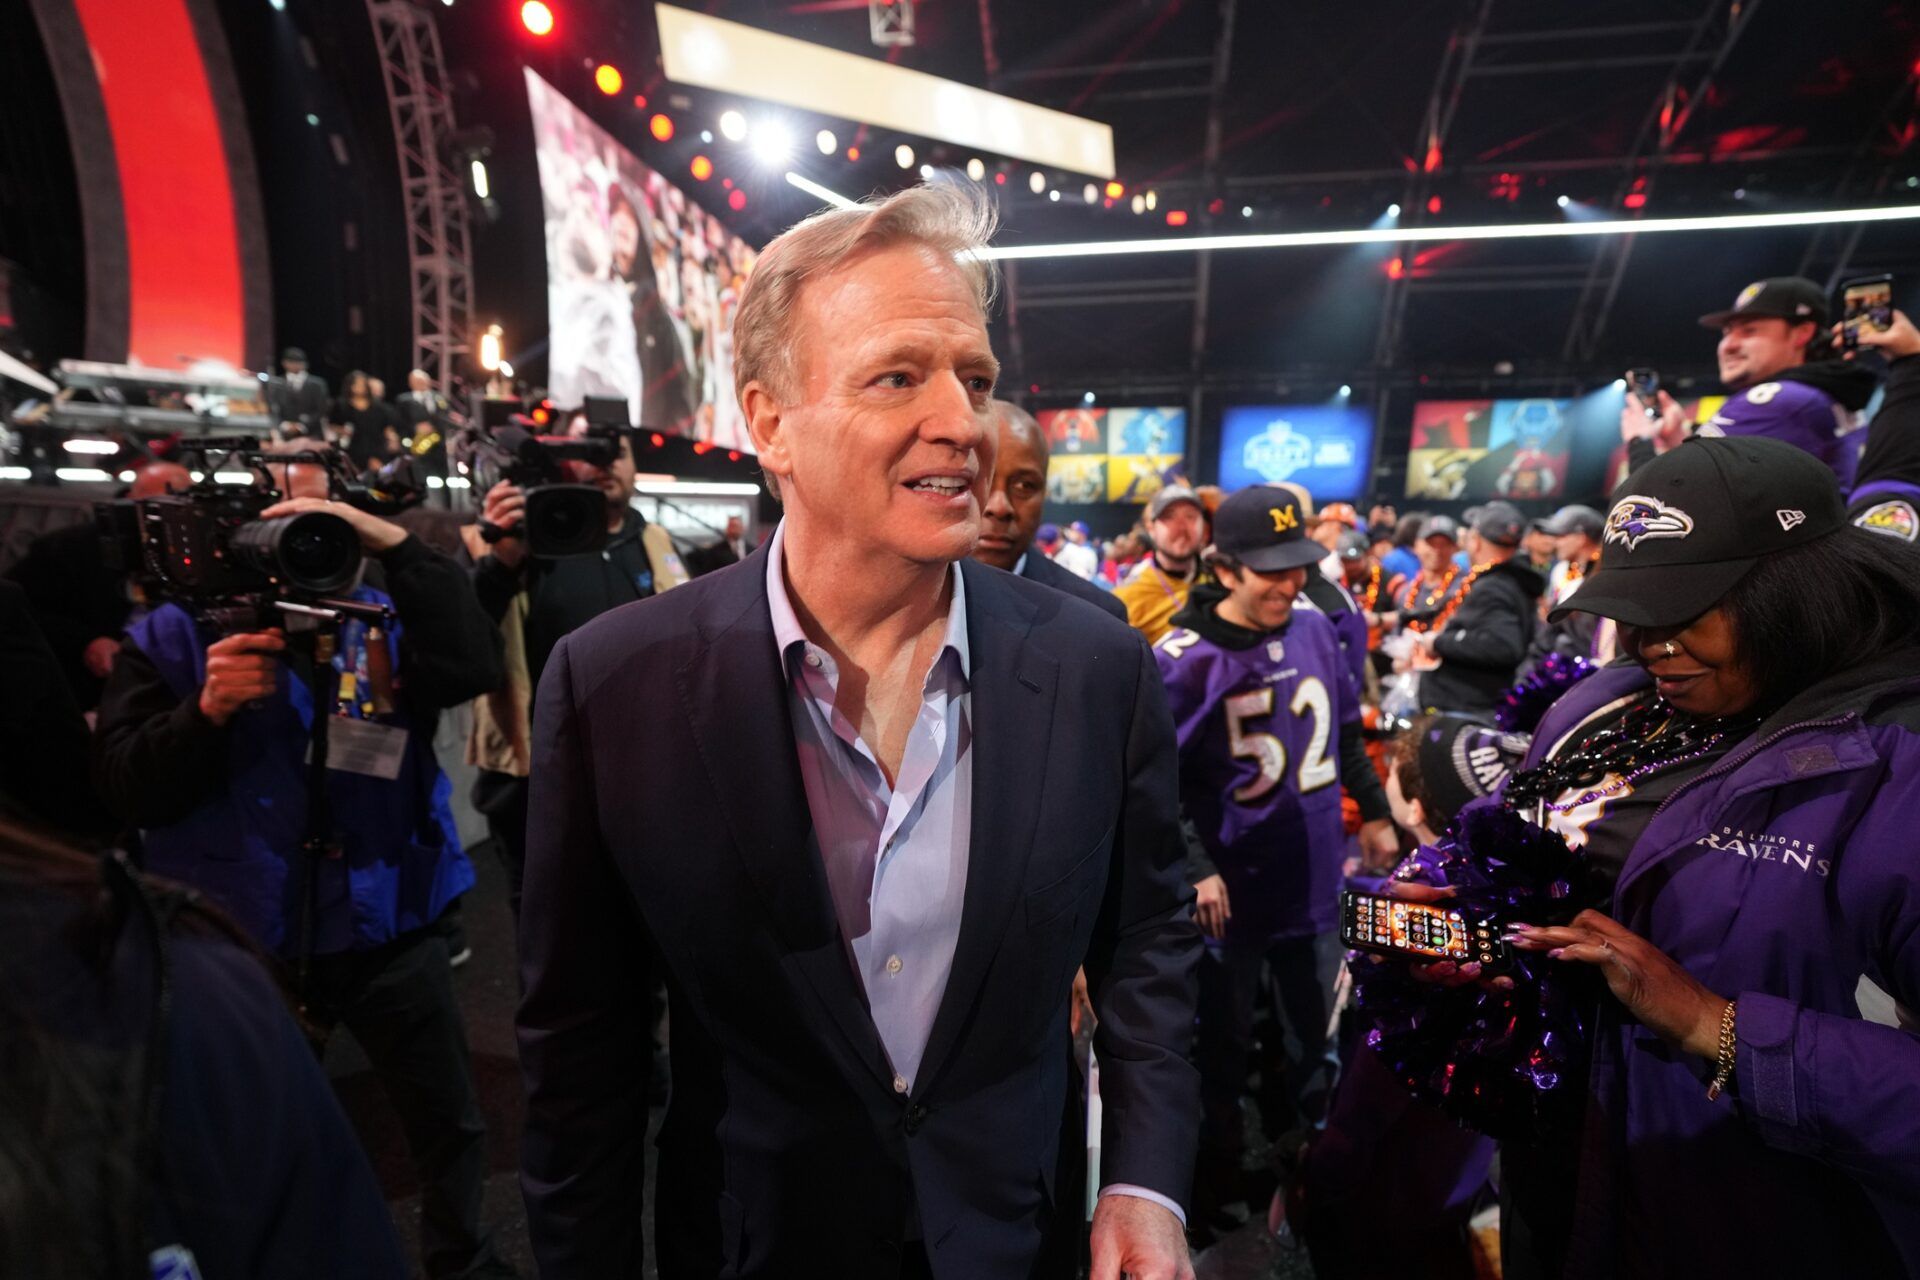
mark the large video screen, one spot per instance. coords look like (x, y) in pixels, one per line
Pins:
(1113, 455)
(1478, 449)
(642, 283)
(1326, 448)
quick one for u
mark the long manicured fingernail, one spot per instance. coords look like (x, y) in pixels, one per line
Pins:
(1503, 984)
(1470, 969)
(1556, 953)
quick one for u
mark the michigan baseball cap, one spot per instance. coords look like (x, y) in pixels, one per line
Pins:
(1263, 528)
(1170, 494)
(1574, 518)
(1685, 528)
(1794, 298)
(1500, 523)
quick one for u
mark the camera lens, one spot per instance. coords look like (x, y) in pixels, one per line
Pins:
(565, 520)
(312, 551)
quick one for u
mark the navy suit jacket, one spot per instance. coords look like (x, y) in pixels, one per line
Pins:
(669, 833)
(1041, 569)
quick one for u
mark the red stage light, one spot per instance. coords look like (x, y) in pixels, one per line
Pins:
(1176, 217)
(733, 455)
(1216, 205)
(703, 447)
(853, 154)
(727, 183)
(640, 101)
(1433, 204)
(701, 168)
(1433, 156)
(659, 441)
(1115, 191)
(536, 17)
(540, 416)
(737, 201)
(1636, 200)
(1395, 268)
(607, 78)
(661, 127)
(1000, 179)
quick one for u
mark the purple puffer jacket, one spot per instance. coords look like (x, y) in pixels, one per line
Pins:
(1780, 876)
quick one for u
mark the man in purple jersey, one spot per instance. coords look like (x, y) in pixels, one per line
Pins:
(1771, 356)
(1268, 728)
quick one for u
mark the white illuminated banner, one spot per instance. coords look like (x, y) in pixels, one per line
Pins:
(713, 53)
(1419, 235)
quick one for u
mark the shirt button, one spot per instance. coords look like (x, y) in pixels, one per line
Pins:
(899, 1084)
(813, 660)
(893, 964)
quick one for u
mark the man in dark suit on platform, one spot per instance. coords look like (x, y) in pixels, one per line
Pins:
(298, 396)
(1014, 503)
(809, 789)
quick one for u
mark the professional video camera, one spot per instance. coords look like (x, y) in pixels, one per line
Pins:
(208, 549)
(563, 517)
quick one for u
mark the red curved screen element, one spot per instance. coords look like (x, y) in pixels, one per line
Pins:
(183, 255)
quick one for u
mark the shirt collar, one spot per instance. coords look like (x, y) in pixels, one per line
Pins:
(1020, 565)
(787, 631)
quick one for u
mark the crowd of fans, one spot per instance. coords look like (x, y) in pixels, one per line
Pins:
(1333, 682)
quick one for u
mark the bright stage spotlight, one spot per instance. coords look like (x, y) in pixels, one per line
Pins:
(607, 79)
(536, 18)
(733, 126)
(1036, 182)
(827, 143)
(903, 156)
(772, 144)
(977, 169)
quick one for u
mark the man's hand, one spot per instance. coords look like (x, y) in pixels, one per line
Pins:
(1382, 515)
(1379, 846)
(1211, 908)
(99, 655)
(1137, 1238)
(376, 535)
(505, 508)
(1666, 431)
(240, 669)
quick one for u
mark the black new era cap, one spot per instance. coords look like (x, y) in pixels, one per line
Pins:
(1686, 527)
(1262, 528)
(1793, 298)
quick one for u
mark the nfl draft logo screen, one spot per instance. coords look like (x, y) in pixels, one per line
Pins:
(1635, 519)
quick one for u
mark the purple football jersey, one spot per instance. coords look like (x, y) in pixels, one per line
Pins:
(1259, 732)
(1801, 415)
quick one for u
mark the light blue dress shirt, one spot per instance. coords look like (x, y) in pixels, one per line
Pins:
(895, 856)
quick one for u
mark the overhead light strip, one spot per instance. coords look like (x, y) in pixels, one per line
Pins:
(819, 192)
(1424, 235)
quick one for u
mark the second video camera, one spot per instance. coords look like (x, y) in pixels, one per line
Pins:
(562, 518)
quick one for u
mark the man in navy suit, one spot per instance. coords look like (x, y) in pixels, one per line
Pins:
(808, 788)
(1014, 503)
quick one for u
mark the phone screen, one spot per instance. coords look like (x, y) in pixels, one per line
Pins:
(1433, 931)
(1867, 304)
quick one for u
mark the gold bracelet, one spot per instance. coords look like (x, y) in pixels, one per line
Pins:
(1723, 1064)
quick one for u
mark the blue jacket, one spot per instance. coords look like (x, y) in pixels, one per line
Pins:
(401, 860)
(1781, 877)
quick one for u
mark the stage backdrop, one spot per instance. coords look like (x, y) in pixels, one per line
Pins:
(1324, 447)
(1113, 455)
(642, 282)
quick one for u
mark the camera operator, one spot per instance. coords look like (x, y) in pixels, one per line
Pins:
(1887, 498)
(1777, 383)
(203, 742)
(560, 594)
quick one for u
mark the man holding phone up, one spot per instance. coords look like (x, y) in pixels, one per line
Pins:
(1268, 723)
(1772, 356)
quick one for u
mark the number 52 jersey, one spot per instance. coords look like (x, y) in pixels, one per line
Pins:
(1258, 728)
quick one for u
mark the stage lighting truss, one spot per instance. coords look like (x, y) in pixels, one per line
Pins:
(890, 22)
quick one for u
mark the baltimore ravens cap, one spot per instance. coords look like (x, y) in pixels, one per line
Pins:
(1791, 298)
(1263, 528)
(1686, 527)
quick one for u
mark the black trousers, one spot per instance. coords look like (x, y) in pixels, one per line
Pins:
(1297, 975)
(501, 798)
(398, 1002)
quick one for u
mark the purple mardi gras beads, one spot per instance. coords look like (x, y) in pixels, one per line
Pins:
(1522, 706)
(1508, 1063)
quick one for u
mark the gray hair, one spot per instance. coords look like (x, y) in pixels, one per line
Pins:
(952, 219)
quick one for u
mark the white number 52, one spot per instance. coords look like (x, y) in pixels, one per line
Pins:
(1316, 769)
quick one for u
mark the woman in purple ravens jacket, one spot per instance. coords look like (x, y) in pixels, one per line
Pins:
(1746, 797)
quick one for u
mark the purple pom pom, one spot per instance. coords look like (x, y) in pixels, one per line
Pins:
(1522, 706)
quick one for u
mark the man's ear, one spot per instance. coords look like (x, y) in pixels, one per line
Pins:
(767, 427)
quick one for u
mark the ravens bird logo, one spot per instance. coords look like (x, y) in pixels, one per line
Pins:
(1635, 519)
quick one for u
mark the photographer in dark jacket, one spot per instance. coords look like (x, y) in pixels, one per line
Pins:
(1886, 500)
(203, 743)
(1479, 637)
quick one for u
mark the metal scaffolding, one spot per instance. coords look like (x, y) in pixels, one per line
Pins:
(439, 243)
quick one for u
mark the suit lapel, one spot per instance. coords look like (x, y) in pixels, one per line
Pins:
(1012, 708)
(734, 693)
